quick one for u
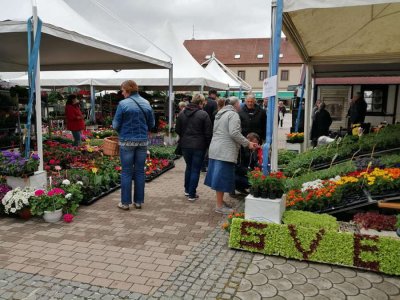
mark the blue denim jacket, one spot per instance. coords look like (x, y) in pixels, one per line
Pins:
(129, 120)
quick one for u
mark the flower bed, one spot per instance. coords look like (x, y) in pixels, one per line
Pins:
(318, 244)
(346, 191)
(296, 137)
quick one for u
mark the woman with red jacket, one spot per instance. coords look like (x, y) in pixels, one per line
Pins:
(74, 118)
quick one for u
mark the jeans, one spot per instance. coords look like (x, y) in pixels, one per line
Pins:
(194, 160)
(132, 162)
(77, 137)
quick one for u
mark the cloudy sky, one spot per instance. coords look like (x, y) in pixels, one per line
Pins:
(211, 18)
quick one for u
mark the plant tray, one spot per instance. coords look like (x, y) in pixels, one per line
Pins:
(154, 176)
(349, 202)
(94, 199)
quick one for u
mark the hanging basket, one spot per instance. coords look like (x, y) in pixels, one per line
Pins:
(110, 146)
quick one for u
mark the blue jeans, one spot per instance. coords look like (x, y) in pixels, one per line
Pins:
(77, 137)
(194, 160)
(132, 162)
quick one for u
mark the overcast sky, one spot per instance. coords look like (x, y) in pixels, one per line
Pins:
(211, 18)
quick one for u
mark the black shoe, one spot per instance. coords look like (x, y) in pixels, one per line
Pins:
(204, 170)
(138, 206)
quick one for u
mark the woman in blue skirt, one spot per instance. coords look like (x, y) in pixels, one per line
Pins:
(223, 152)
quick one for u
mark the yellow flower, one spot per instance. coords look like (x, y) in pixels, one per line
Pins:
(94, 170)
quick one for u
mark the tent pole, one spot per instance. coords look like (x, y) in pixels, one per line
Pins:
(92, 104)
(38, 106)
(308, 107)
(171, 97)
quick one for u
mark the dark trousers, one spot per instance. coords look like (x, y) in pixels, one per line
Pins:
(194, 160)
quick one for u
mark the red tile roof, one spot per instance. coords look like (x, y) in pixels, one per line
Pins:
(226, 49)
(359, 80)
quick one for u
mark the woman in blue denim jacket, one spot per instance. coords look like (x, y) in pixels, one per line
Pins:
(133, 120)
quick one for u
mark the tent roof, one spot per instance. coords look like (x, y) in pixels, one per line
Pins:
(218, 72)
(187, 73)
(345, 37)
(68, 42)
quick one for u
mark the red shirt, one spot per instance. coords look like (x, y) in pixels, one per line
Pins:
(74, 117)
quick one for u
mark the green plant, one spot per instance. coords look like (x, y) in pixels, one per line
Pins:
(73, 195)
(398, 221)
(310, 220)
(285, 156)
(167, 152)
(270, 186)
(319, 245)
(47, 201)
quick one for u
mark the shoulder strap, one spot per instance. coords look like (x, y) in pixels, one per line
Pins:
(144, 113)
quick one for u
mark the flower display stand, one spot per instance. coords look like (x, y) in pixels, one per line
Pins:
(296, 147)
(38, 181)
(264, 210)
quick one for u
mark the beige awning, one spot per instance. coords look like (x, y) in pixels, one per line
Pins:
(346, 38)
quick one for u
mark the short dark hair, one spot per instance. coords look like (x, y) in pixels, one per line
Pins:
(253, 135)
(212, 92)
(70, 98)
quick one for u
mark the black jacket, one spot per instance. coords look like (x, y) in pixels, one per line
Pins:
(210, 107)
(358, 111)
(193, 126)
(321, 124)
(247, 161)
(253, 121)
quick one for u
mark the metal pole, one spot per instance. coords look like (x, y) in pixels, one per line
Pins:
(171, 97)
(93, 104)
(38, 106)
(307, 108)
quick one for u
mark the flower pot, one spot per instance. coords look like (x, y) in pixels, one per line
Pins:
(25, 213)
(264, 209)
(52, 216)
(296, 147)
(37, 181)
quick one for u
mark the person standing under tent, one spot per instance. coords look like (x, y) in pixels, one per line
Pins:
(195, 131)
(358, 109)
(210, 108)
(252, 117)
(321, 124)
(281, 113)
(133, 121)
(223, 152)
(74, 118)
(315, 109)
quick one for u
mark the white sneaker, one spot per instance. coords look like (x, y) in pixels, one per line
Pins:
(224, 210)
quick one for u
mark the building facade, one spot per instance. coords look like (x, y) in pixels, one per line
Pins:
(248, 58)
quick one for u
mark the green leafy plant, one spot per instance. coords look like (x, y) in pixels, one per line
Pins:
(310, 220)
(51, 200)
(73, 195)
(398, 221)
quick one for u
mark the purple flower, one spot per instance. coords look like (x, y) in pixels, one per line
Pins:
(35, 156)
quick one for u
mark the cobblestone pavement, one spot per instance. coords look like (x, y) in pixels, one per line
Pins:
(172, 249)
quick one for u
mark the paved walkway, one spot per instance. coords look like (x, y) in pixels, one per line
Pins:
(172, 249)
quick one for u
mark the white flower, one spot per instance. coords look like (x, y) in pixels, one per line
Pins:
(66, 182)
(68, 196)
(13, 210)
(79, 182)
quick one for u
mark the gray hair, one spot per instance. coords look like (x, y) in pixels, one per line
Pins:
(233, 100)
(250, 96)
(182, 104)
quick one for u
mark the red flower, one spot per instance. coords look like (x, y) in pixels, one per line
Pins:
(68, 218)
(39, 193)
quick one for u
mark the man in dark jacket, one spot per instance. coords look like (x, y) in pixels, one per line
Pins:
(358, 109)
(253, 118)
(321, 124)
(211, 105)
(193, 126)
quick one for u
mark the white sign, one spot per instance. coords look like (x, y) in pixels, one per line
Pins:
(270, 86)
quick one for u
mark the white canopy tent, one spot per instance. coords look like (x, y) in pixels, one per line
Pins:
(188, 74)
(224, 74)
(68, 42)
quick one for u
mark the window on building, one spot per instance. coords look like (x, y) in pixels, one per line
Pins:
(207, 56)
(237, 56)
(260, 56)
(285, 75)
(376, 98)
(263, 75)
(242, 74)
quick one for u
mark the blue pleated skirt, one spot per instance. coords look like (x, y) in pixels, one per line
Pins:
(220, 176)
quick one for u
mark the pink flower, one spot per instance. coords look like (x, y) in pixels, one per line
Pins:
(56, 191)
(39, 193)
(52, 162)
(68, 218)
(57, 168)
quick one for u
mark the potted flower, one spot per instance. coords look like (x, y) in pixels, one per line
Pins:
(17, 202)
(50, 204)
(21, 171)
(266, 201)
(294, 141)
(73, 196)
